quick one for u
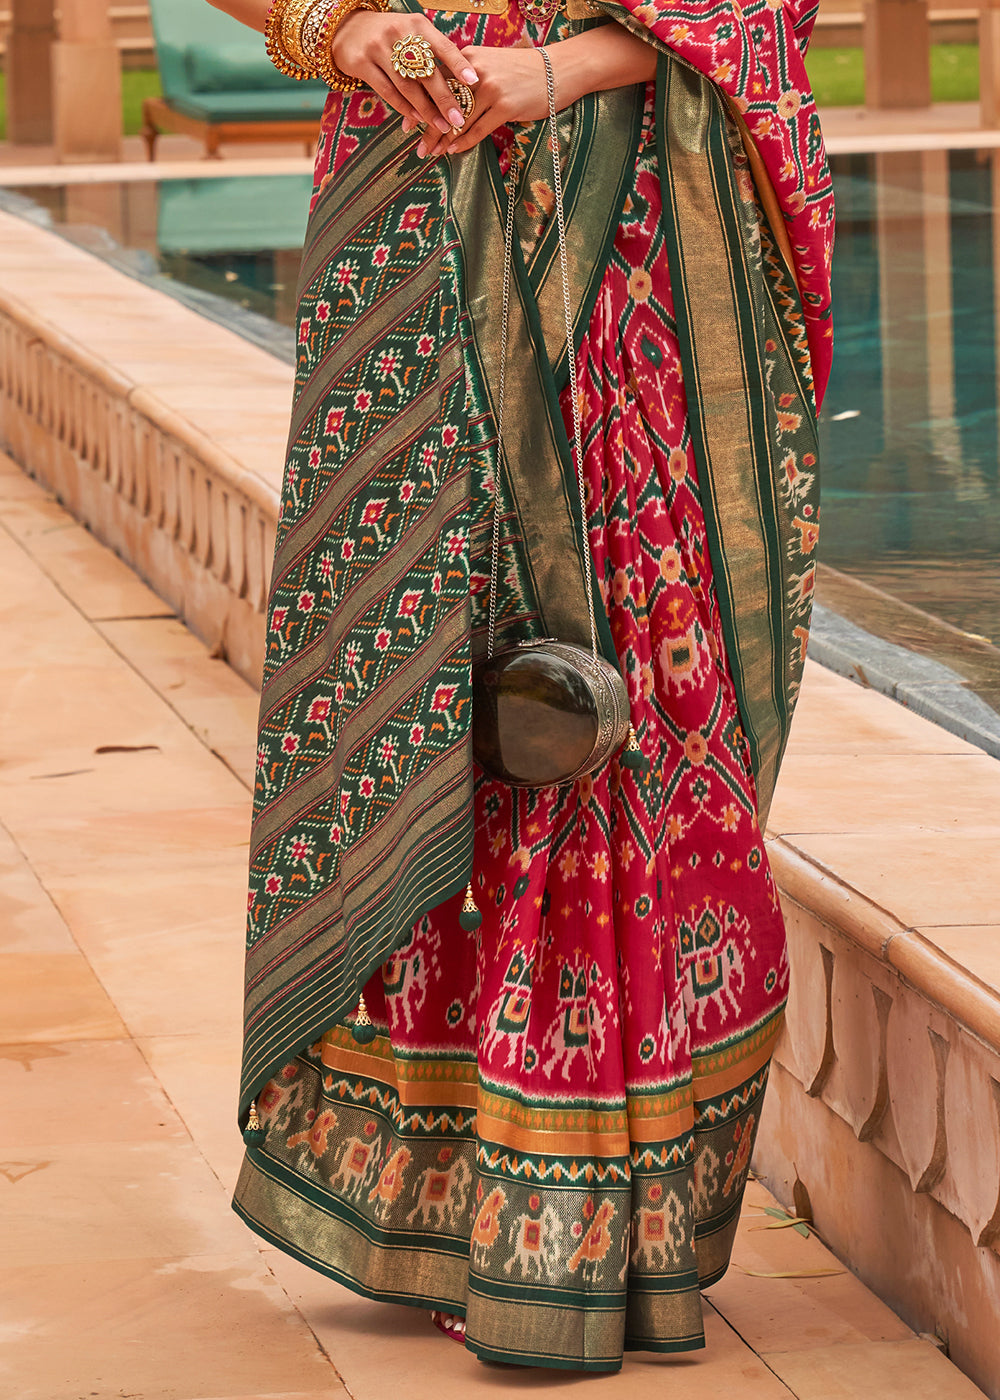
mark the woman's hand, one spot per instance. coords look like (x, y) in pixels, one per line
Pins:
(512, 88)
(362, 48)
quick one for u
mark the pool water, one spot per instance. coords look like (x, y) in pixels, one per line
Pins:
(909, 429)
(238, 238)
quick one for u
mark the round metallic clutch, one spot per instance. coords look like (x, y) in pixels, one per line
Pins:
(546, 712)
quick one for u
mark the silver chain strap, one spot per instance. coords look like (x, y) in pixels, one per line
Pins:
(576, 444)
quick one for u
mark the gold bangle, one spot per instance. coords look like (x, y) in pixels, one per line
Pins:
(292, 20)
(328, 70)
(274, 38)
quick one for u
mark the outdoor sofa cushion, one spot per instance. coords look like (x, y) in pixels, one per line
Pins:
(252, 106)
(215, 69)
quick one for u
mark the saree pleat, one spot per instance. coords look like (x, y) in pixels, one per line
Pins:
(551, 1132)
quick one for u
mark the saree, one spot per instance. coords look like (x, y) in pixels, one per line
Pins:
(551, 1131)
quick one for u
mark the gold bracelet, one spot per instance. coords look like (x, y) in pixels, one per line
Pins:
(293, 22)
(283, 55)
(328, 70)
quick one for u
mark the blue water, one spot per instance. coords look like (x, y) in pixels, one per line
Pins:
(909, 428)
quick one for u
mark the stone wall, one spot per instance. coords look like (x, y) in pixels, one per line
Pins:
(885, 1105)
(195, 524)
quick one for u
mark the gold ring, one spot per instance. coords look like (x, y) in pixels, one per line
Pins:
(413, 57)
(464, 96)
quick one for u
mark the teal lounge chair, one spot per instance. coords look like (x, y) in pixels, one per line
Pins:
(219, 85)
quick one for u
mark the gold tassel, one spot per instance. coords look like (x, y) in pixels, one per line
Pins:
(470, 917)
(634, 757)
(363, 1030)
(253, 1133)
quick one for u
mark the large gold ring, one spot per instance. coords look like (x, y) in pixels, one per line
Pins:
(413, 57)
(464, 96)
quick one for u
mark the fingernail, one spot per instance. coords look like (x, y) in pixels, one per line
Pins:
(455, 117)
(443, 126)
(407, 125)
(469, 75)
(421, 150)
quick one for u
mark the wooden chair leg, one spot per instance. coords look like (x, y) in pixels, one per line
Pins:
(989, 67)
(149, 132)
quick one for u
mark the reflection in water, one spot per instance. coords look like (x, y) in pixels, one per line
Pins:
(237, 237)
(909, 431)
(909, 428)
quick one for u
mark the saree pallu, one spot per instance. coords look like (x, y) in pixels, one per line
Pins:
(552, 1130)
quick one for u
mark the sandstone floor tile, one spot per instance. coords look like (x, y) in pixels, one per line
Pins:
(43, 636)
(913, 1370)
(923, 878)
(89, 842)
(835, 716)
(936, 792)
(168, 976)
(217, 705)
(976, 948)
(89, 1092)
(49, 997)
(144, 768)
(29, 921)
(17, 485)
(174, 661)
(380, 1349)
(785, 1314)
(159, 1328)
(79, 1201)
(91, 575)
(200, 1075)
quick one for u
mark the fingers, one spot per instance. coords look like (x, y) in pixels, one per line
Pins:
(432, 96)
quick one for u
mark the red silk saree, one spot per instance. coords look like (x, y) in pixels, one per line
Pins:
(550, 1134)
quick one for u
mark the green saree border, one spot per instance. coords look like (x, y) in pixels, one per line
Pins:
(540, 474)
(723, 309)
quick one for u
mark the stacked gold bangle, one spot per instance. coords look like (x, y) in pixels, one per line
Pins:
(298, 36)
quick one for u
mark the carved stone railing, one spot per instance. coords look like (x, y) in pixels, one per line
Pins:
(885, 1105)
(195, 524)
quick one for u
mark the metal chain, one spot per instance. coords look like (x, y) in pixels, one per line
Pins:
(576, 443)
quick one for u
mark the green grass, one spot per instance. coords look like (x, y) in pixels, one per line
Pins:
(137, 84)
(838, 78)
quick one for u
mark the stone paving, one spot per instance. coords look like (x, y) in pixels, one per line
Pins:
(125, 761)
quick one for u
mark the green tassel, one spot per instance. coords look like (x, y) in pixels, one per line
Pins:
(470, 917)
(253, 1133)
(633, 757)
(363, 1031)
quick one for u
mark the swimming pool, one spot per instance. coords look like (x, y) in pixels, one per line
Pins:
(909, 429)
(911, 507)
